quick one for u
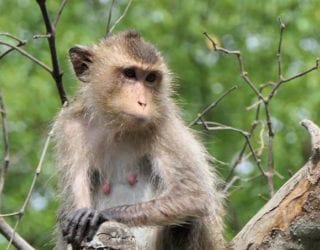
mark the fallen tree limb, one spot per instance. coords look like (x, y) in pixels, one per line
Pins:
(112, 236)
(291, 219)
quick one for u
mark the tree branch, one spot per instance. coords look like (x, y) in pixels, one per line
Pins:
(236, 53)
(6, 161)
(211, 106)
(20, 43)
(26, 54)
(34, 180)
(109, 19)
(63, 4)
(56, 72)
(121, 17)
(17, 240)
(279, 54)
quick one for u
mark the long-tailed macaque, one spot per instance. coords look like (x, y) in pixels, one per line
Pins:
(125, 155)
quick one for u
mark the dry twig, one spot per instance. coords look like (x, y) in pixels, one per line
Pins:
(21, 212)
(265, 100)
(6, 160)
(20, 43)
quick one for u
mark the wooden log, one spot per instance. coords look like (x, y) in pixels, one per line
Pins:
(291, 219)
(112, 236)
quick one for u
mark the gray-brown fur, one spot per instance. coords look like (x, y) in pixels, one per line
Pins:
(134, 46)
(175, 204)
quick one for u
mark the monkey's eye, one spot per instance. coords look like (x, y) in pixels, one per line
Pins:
(129, 73)
(151, 78)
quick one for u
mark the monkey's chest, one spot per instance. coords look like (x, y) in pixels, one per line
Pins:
(123, 183)
(124, 186)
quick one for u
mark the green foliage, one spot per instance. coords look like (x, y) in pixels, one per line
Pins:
(176, 27)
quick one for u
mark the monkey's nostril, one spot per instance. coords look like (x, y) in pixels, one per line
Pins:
(142, 104)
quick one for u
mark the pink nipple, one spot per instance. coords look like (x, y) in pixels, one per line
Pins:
(132, 178)
(106, 188)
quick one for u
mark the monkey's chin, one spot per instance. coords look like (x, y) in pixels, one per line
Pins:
(137, 119)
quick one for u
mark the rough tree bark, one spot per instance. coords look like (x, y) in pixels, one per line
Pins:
(290, 220)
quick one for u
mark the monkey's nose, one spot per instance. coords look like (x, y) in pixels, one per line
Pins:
(142, 104)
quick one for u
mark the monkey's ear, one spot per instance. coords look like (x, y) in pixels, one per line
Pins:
(81, 57)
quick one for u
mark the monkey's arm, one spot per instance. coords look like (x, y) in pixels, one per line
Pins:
(73, 164)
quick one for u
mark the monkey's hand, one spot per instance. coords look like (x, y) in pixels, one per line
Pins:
(81, 225)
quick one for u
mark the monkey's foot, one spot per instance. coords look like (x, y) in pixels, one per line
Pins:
(112, 236)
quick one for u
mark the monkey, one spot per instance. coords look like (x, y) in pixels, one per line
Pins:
(124, 153)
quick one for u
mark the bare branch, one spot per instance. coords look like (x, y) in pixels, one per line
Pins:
(56, 73)
(236, 53)
(13, 37)
(230, 183)
(244, 147)
(41, 36)
(20, 43)
(279, 54)
(261, 100)
(121, 17)
(6, 160)
(63, 4)
(34, 180)
(212, 105)
(246, 135)
(273, 91)
(26, 54)
(9, 214)
(270, 172)
(7, 231)
(109, 19)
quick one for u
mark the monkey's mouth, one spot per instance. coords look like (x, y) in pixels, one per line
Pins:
(138, 118)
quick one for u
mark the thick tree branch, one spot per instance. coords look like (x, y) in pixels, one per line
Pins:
(51, 29)
(294, 201)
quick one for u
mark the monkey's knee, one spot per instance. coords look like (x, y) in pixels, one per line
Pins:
(113, 235)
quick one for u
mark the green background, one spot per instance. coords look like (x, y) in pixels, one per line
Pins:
(175, 27)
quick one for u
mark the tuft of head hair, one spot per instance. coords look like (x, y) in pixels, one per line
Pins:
(134, 46)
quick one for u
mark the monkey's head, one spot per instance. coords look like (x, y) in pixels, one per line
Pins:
(125, 77)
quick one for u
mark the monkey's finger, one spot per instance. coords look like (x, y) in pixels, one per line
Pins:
(70, 219)
(93, 226)
(82, 226)
(73, 224)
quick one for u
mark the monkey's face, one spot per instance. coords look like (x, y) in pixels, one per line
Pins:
(136, 94)
(126, 78)
(131, 94)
